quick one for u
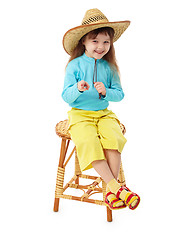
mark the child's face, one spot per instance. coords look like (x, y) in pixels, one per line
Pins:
(97, 47)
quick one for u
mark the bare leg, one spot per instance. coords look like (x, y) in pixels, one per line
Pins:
(103, 169)
(108, 169)
(114, 160)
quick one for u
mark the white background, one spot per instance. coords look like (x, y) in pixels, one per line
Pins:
(32, 63)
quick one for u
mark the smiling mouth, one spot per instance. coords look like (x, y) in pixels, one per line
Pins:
(99, 52)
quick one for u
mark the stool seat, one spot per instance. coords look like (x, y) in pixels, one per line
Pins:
(62, 129)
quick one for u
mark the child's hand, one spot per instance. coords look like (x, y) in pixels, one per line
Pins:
(100, 88)
(83, 86)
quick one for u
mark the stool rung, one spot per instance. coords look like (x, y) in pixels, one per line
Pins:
(70, 197)
(87, 176)
(78, 186)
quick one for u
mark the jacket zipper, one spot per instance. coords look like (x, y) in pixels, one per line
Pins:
(95, 76)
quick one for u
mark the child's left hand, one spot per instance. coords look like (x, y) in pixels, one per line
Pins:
(100, 88)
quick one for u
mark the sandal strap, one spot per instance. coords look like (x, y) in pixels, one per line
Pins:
(119, 203)
(108, 194)
(120, 190)
(138, 201)
(129, 198)
(112, 201)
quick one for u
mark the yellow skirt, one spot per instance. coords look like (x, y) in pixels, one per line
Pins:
(93, 131)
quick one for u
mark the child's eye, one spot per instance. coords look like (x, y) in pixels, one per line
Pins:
(95, 41)
(106, 42)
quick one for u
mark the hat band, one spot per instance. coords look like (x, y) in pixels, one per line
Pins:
(94, 19)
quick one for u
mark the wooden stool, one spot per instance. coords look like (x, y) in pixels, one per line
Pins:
(62, 131)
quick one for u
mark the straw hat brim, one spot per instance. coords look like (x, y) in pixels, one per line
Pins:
(72, 36)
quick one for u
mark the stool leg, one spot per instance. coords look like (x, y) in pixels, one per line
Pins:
(109, 214)
(56, 205)
(77, 168)
(61, 161)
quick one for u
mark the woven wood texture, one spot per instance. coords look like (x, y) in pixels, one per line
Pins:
(62, 129)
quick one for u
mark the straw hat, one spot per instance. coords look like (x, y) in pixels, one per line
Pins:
(92, 20)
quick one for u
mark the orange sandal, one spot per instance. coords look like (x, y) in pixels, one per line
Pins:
(129, 198)
(114, 201)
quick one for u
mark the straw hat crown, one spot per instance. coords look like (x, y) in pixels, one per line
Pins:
(92, 20)
(94, 16)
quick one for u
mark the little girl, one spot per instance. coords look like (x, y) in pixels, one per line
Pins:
(91, 81)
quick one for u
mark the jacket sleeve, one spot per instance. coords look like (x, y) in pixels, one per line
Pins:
(114, 93)
(70, 91)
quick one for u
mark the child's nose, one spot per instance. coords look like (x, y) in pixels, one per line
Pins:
(100, 46)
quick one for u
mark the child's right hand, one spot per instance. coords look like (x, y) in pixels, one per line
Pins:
(83, 86)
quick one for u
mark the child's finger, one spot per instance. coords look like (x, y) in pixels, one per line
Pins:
(87, 86)
(97, 84)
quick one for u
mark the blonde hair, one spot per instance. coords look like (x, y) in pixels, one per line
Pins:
(109, 57)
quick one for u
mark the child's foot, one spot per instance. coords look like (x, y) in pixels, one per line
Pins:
(112, 202)
(121, 192)
(131, 199)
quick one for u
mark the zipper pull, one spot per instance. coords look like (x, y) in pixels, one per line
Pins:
(95, 73)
